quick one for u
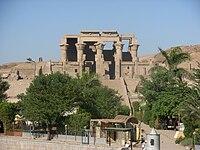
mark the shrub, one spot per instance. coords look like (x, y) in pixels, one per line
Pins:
(197, 137)
(151, 124)
(124, 110)
(178, 140)
(138, 115)
(187, 142)
(188, 127)
(136, 106)
(147, 116)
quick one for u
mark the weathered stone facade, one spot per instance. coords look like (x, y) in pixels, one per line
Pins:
(85, 52)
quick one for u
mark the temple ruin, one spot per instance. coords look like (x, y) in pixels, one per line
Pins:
(111, 55)
(87, 52)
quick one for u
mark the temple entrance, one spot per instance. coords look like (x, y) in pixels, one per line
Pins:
(90, 57)
(108, 53)
(72, 52)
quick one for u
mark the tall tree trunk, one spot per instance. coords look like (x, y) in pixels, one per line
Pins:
(48, 132)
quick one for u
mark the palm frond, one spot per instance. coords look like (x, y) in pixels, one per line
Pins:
(164, 54)
(156, 68)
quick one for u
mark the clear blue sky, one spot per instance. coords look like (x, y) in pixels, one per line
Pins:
(33, 28)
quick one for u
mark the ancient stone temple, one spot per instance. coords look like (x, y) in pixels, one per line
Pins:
(111, 55)
(87, 52)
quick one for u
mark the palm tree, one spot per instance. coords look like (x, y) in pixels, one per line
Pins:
(173, 59)
(4, 86)
(191, 106)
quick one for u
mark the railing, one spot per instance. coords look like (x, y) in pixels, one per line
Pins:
(125, 93)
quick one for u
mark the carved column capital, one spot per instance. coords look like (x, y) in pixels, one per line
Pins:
(64, 46)
(119, 46)
(133, 50)
(134, 47)
(80, 46)
(99, 46)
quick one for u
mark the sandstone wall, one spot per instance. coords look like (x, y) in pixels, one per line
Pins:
(13, 143)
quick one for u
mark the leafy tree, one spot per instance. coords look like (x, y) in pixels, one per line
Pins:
(79, 120)
(165, 89)
(4, 86)
(96, 99)
(48, 98)
(7, 114)
(100, 102)
(152, 87)
(168, 102)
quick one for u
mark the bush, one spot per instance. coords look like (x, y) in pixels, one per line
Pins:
(178, 140)
(138, 115)
(151, 124)
(136, 106)
(124, 110)
(158, 124)
(197, 137)
(188, 127)
(147, 116)
(187, 142)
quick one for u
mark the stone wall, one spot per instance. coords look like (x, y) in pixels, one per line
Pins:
(13, 143)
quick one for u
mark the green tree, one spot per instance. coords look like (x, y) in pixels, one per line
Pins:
(7, 114)
(173, 59)
(100, 101)
(48, 98)
(165, 89)
(169, 100)
(79, 120)
(4, 86)
(154, 85)
(96, 99)
(190, 108)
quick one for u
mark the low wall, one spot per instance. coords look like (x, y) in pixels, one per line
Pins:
(67, 138)
(17, 143)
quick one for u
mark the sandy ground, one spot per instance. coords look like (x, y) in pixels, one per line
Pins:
(167, 141)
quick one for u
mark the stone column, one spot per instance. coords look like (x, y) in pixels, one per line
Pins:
(99, 58)
(133, 50)
(50, 67)
(80, 48)
(118, 59)
(63, 48)
(80, 59)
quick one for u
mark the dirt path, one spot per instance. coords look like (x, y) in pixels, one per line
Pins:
(167, 141)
